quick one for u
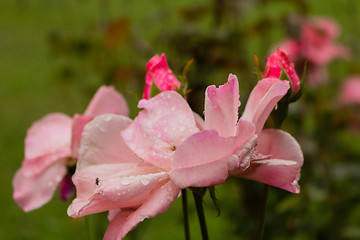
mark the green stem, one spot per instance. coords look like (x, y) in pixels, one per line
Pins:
(201, 215)
(185, 214)
(89, 227)
(263, 212)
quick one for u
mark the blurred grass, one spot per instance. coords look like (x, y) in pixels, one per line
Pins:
(30, 89)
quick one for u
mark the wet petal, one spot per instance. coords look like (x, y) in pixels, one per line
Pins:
(158, 71)
(31, 192)
(221, 107)
(160, 128)
(102, 142)
(127, 219)
(203, 159)
(108, 186)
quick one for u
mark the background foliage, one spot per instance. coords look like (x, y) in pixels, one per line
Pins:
(54, 54)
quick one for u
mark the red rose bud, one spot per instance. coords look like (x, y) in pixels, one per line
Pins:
(279, 62)
(158, 71)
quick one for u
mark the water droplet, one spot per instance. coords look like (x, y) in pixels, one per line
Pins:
(276, 107)
(102, 129)
(107, 118)
(144, 181)
(125, 181)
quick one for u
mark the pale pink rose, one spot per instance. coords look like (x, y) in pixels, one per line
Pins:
(127, 174)
(158, 71)
(350, 91)
(111, 177)
(206, 158)
(239, 147)
(50, 143)
(276, 63)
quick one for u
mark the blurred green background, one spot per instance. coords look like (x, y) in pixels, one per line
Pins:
(54, 54)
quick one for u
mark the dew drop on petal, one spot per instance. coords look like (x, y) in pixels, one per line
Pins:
(144, 181)
(125, 181)
(107, 118)
(102, 129)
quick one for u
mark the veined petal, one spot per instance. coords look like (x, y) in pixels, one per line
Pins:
(127, 219)
(221, 107)
(31, 192)
(109, 186)
(107, 100)
(160, 128)
(262, 100)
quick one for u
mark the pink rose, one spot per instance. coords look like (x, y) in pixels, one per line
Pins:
(318, 41)
(124, 165)
(50, 143)
(239, 147)
(159, 72)
(317, 45)
(350, 91)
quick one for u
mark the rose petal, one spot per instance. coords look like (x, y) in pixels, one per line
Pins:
(204, 158)
(47, 141)
(102, 142)
(160, 128)
(108, 186)
(221, 107)
(79, 122)
(282, 170)
(159, 71)
(107, 100)
(31, 192)
(156, 204)
(262, 100)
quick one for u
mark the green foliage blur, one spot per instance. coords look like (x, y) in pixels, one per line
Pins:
(54, 54)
